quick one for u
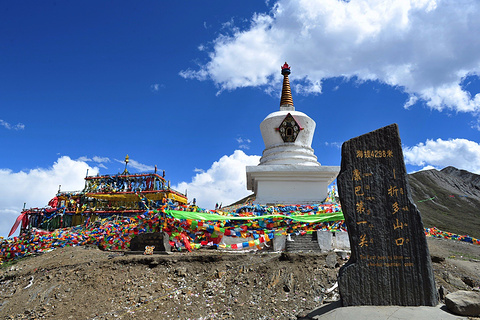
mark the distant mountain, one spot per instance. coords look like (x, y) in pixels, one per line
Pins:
(448, 199)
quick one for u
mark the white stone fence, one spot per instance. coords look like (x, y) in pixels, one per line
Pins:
(327, 241)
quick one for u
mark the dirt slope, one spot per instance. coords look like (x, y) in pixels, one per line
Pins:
(86, 283)
(77, 283)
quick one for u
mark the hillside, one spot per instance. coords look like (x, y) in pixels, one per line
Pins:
(86, 283)
(448, 199)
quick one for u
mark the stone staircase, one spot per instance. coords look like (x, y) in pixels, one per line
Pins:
(305, 243)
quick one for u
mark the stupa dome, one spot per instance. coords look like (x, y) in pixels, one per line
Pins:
(287, 133)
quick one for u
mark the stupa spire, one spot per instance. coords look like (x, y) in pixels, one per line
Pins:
(286, 102)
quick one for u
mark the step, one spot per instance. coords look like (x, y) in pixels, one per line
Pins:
(307, 242)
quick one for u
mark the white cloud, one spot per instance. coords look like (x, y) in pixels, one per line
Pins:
(156, 87)
(424, 47)
(459, 153)
(428, 168)
(224, 182)
(137, 165)
(425, 169)
(410, 102)
(101, 159)
(337, 145)
(140, 166)
(476, 124)
(98, 160)
(37, 186)
(18, 126)
(243, 143)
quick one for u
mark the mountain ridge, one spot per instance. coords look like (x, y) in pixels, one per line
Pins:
(448, 199)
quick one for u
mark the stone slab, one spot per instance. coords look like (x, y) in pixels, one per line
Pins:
(157, 239)
(325, 240)
(341, 241)
(390, 262)
(383, 312)
(279, 242)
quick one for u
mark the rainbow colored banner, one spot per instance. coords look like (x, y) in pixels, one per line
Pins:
(191, 230)
(307, 218)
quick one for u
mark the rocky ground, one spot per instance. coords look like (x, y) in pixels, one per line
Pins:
(87, 283)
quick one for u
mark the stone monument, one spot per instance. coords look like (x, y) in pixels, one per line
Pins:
(289, 172)
(390, 262)
(158, 240)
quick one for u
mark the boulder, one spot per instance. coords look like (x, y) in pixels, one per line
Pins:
(465, 303)
(331, 260)
(454, 281)
(157, 239)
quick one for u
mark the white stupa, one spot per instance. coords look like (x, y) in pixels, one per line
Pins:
(289, 172)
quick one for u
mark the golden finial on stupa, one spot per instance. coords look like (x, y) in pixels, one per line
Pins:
(286, 100)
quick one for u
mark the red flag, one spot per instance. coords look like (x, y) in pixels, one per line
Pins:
(17, 222)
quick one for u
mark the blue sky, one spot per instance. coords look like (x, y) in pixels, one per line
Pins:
(184, 85)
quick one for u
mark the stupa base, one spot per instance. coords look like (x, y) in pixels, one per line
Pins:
(290, 184)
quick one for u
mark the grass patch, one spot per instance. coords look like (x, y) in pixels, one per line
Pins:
(462, 256)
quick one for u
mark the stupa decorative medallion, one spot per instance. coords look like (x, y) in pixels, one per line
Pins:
(289, 129)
